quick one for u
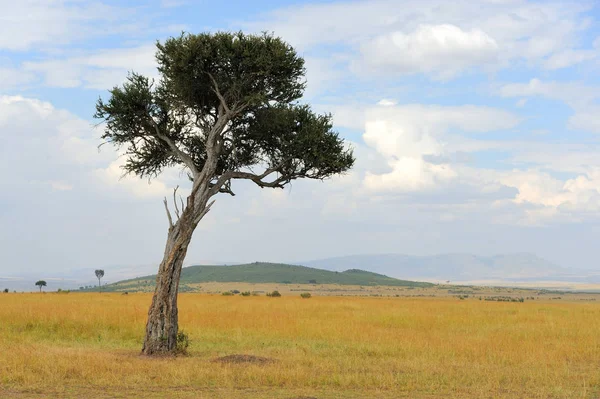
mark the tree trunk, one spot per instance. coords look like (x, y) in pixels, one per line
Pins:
(162, 327)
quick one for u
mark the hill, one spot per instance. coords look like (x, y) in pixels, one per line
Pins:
(260, 272)
(459, 267)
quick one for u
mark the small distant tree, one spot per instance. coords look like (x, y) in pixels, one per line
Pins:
(41, 283)
(99, 275)
(6, 290)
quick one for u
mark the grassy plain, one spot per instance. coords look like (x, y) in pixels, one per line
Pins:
(87, 345)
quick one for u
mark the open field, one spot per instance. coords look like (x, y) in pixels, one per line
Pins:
(87, 345)
(438, 291)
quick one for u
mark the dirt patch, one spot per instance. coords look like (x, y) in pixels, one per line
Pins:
(243, 359)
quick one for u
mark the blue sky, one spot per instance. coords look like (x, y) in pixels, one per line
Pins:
(474, 124)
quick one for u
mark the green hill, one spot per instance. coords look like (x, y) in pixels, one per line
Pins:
(260, 272)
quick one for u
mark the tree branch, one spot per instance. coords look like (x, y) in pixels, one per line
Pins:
(204, 211)
(175, 202)
(185, 158)
(168, 213)
(218, 93)
(258, 179)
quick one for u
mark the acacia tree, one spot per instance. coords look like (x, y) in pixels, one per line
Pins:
(40, 283)
(225, 108)
(99, 275)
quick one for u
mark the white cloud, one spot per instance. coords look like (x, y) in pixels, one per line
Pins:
(112, 177)
(440, 38)
(586, 119)
(575, 94)
(44, 144)
(442, 50)
(11, 78)
(26, 24)
(101, 70)
(569, 57)
(387, 103)
(404, 135)
(553, 198)
(578, 95)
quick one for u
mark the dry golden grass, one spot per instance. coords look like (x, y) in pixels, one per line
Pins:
(87, 345)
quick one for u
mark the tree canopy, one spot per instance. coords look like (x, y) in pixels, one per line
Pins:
(225, 104)
(40, 283)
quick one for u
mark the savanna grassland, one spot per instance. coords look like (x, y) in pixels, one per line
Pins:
(88, 344)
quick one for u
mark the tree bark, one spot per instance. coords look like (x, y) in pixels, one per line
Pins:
(162, 325)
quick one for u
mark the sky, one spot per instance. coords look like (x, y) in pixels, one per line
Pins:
(474, 124)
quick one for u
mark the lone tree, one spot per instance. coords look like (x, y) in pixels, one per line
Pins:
(224, 109)
(41, 283)
(99, 275)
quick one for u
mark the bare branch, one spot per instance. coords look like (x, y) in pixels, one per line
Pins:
(175, 202)
(168, 213)
(182, 206)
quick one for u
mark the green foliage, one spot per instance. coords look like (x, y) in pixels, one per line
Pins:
(274, 294)
(249, 83)
(41, 283)
(99, 274)
(227, 293)
(183, 342)
(246, 293)
(305, 295)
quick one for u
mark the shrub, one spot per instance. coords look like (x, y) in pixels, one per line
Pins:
(235, 292)
(246, 293)
(274, 294)
(305, 295)
(227, 293)
(183, 341)
(6, 290)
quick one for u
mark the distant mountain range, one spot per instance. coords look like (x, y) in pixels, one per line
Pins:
(519, 267)
(261, 272)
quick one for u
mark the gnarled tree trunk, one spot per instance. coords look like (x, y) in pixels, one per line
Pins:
(162, 327)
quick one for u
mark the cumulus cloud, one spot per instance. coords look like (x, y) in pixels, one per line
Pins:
(407, 136)
(443, 50)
